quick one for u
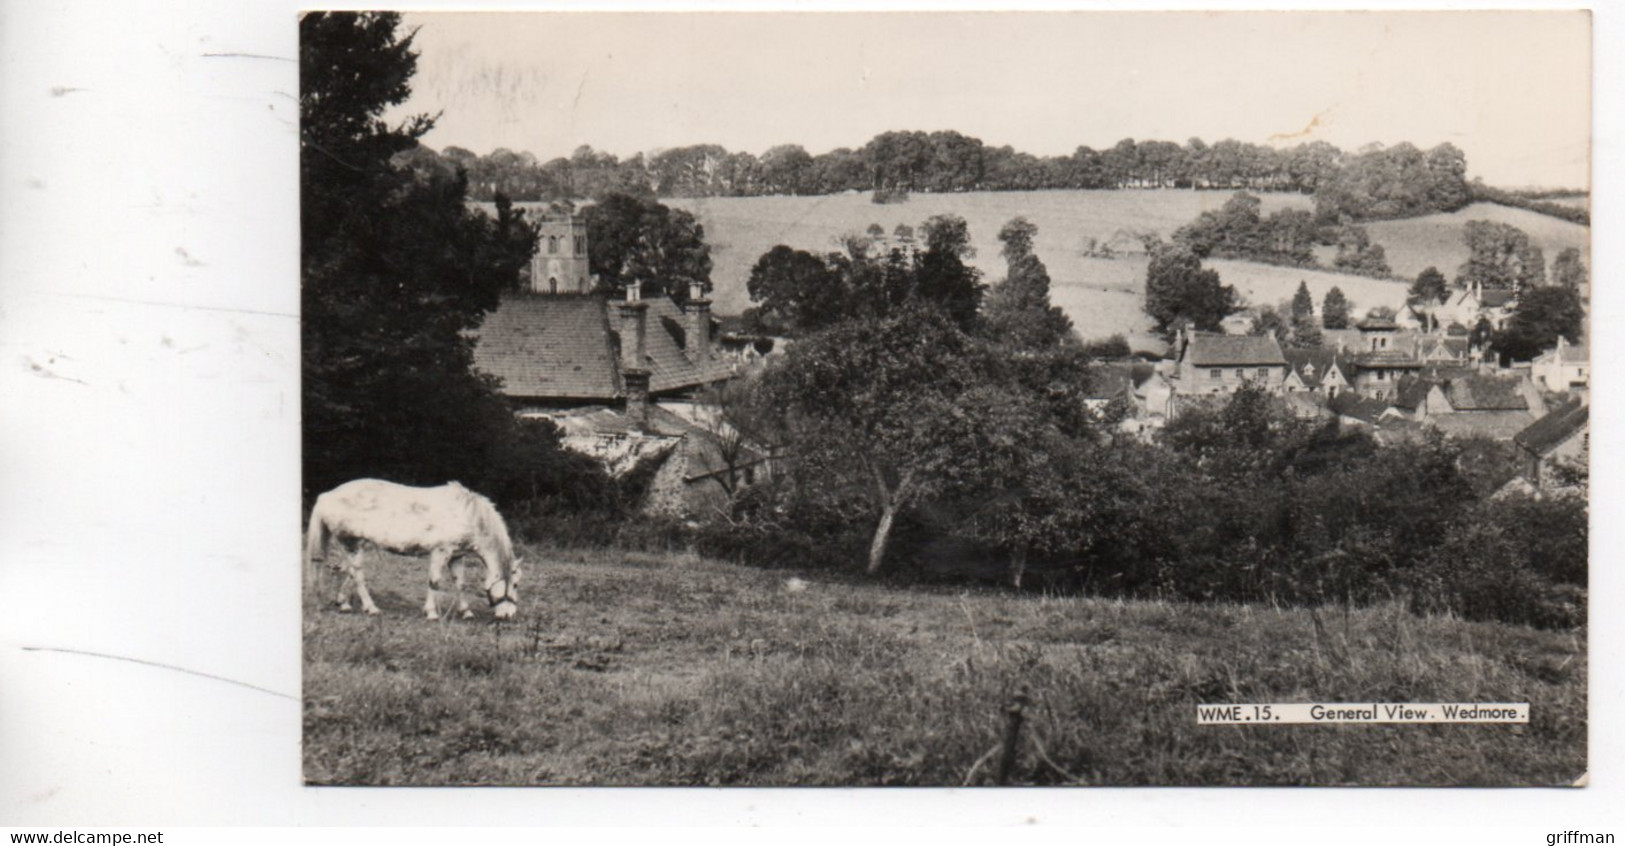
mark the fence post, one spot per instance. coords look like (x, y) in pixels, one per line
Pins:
(1012, 736)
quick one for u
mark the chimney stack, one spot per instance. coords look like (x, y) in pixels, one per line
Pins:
(699, 322)
(634, 371)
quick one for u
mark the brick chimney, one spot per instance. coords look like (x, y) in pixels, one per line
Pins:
(634, 370)
(698, 329)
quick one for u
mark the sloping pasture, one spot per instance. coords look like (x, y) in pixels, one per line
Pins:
(636, 669)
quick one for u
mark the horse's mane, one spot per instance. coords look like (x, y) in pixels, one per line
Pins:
(483, 515)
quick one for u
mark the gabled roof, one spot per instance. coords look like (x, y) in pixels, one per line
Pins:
(1377, 324)
(1433, 346)
(1210, 350)
(564, 347)
(1311, 365)
(1551, 431)
(1413, 391)
(549, 346)
(1494, 297)
(1565, 354)
(665, 346)
(1350, 404)
(1486, 393)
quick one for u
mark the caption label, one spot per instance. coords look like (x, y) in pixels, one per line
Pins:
(1298, 713)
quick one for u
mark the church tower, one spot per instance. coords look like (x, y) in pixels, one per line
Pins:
(560, 263)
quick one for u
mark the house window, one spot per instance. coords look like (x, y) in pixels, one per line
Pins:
(1264, 373)
(1214, 374)
(581, 245)
(1240, 373)
(552, 243)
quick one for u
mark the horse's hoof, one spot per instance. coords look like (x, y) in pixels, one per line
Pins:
(344, 606)
(467, 614)
(372, 612)
(432, 616)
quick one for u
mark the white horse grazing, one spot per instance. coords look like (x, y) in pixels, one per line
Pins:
(445, 522)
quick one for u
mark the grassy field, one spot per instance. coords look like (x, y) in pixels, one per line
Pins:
(1436, 239)
(629, 669)
(1103, 297)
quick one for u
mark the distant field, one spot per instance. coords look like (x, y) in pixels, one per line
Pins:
(1103, 297)
(1436, 239)
(741, 229)
(634, 669)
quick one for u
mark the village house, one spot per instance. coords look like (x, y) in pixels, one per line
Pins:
(605, 372)
(1137, 384)
(1564, 368)
(1467, 403)
(1560, 439)
(1210, 363)
(1467, 305)
(1321, 371)
(1384, 357)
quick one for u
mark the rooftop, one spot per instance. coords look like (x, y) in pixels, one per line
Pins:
(1486, 393)
(1547, 433)
(1210, 350)
(566, 347)
(1499, 425)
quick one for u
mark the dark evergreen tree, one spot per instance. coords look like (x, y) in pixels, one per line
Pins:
(395, 270)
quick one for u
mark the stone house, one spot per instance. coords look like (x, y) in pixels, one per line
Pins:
(1565, 368)
(1320, 371)
(603, 371)
(1210, 363)
(1562, 436)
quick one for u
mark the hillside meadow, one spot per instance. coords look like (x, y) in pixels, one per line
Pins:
(670, 669)
(1414, 244)
(1102, 296)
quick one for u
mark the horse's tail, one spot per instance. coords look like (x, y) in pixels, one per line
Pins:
(315, 541)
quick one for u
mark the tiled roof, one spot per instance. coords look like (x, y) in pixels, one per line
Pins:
(1210, 350)
(1495, 297)
(665, 346)
(1566, 354)
(565, 347)
(1486, 393)
(1550, 431)
(548, 346)
(1350, 404)
(1310, 364)
(1500, 425)
(1434, 346)
(1413, 391)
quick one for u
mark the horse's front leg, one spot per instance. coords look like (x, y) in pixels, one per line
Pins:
(462, 600)
(437, 572)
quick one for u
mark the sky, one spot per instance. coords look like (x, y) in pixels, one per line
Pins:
(1512, 89)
